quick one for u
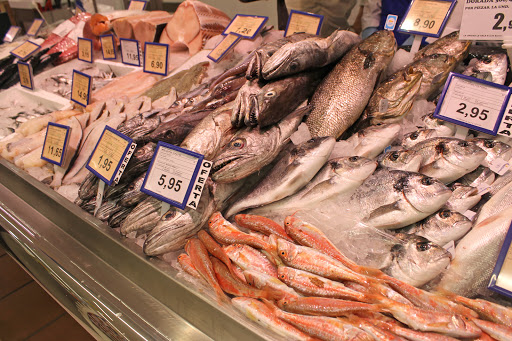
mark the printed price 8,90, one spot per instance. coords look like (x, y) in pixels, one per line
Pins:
(426, 16)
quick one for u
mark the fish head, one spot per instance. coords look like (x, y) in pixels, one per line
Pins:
(450, 44)
(380, 131)
(444, 128)
(495, 149)
(381, 44)
(269, 101)
(424, 193)
(356, 168)
(437, 67)
(405, 159)
(215, 219)
(286, 250)
(464, 154)
(417, 136)
(284, 274)
(261, 55)
(445, 221)
(291, 222)
(318, 147)
(289, 59)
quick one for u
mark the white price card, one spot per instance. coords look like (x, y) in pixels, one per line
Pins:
(34, 28)
(81, 86)
(176, 176)
(55, 142)
(472, 103)
(11, 34)
(489, 20)
(85, 50)
(501, 279)
(112, 151)
(299, 22)
(246, 26)
(130, 51)
(427, 17)
(25, 72)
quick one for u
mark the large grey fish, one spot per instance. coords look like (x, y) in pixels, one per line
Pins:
(448, 158)
(435, 69)
(310, 53)
(140, 125)
(406, 160)
(390, 199)
(372, 140)
(476, 255)
(132, 196)
(291, 173)
(343, 94)
(463, 198)
(253, 148)
(495, 150)
(442, 227)
(449, 44)
(496, 64)
(175, 131)
(89, 187)
(143, 217)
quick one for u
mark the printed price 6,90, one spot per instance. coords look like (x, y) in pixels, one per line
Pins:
(172, 184)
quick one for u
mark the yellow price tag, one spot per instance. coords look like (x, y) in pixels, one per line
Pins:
(299, 22)
(55, 143)
(85, 50)
(81, 88)
(245, 25)
(34, 28)
(426, 16)
(25, 72)
(136, 5)
(107, 47)
(25, 50)
(155, 58)
(220, 50)
(108, 154)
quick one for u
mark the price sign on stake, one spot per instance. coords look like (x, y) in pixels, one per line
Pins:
(130, 53)
(136, 5)
(299, 21)
(246, 26)
(25, 50)
(486, 21)
(55, 142)
(85, 50)
(155, 58)
(81, 88)
(223, 47)
(111, 155)
(11, 33)
(501, 279)
(472, 103)
(25, 72)
(107, 47)
(176, 176)
(426, 17)
(34, 28)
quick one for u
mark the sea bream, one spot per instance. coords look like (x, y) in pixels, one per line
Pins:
(404, 159)
(372, 140)
(450, 44)
(495, 64)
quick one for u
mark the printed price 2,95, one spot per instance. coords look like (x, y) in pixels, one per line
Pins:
(106, 163)
(497, 26)
(55, 151)
(171, 184)
(475, 112)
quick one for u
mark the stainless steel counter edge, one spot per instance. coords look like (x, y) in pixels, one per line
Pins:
(101, 278)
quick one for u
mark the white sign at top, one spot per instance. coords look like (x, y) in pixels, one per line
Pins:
(486, 20)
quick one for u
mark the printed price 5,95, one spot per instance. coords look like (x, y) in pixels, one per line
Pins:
(172, 184)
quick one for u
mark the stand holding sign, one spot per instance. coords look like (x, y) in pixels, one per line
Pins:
(55, 143)
(299, 22)
(25, 72)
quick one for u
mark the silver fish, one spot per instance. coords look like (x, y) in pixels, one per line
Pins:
(415, 137)
(495, 64)
(139, 126)
(404, 159)
(495, 150)
(463, 198)
(481, 175)
(444, 128)
(371, 141)
(132, 196)
(435, 69)
(449, 44)
(143, 217)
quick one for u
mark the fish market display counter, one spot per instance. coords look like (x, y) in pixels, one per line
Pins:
(100, 278)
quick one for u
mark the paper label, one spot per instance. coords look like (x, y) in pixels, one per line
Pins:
(224, 46)
(107, 47)
(63, 29)
(173, 175)
(81, 88)
(25, 72)
(391, 22)
(85, 50)
(54, 148)
(473, 103)
(426, 17)
(486, 20)
(136, 5)
(499, 166)
(25, 50)
(109, 154)
(450, 247)
(469, 214)
(483, 188)
(299, 21)
(197, 188)
(130, 53)
(155, 58)
(11, 33)
(505, 128)
(34, 28)
(246, 26)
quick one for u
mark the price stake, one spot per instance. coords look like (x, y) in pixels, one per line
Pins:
(130, 51)
(55, 142)
(487, 21)
(25, 50)
(223, 47)
(34, 28)
(81, 88)
(427, 17)
(299, 21)
(85, 50)
(246, 26)
(176, 176)
(111, 155)
(473, 103)
(25, 72)
(11, 34)
(155, 58)
(107, 47)
(136, 5)
(501, 279)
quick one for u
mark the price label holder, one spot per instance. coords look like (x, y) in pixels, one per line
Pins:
(108, 47)
(111, 155)
(176, 176)
(156, 58)
(501, 279)
(130, 51)
(486, 21)
(25, 50)
(426, 17)
(81, 88)
(136, 5)
(25, 72)
(85, 50)
(299, 21)
(223, 47)
(35, 27)
(245, 26)
(11, 34)
(472, 103)
(55, 142)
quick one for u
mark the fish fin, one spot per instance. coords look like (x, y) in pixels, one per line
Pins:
(438, 78)
(383, 210)
(369, 60)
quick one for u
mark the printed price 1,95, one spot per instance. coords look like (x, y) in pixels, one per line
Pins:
(473, 112)
(106, 164)
(171, 184)
(500, 25)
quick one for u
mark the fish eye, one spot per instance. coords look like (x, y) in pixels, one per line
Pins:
(283, 253)
(426, 181)
(353, 158)
(414, 135)
(168, 133)
(486, 59)
(169, 215)
(489, 144)
(270, 93)
(238, 143)
(423, 246)
(394, 156)
(463, 143)
(294, 66)
(282, 276)
(270, 53)
(445, 214)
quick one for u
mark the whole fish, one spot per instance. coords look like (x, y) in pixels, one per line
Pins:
(261, 224)
(463, 198)
(496, 64)
(186, 265)
(495, 150)
(442, 227)
(140, 125)
(216, 250)
(487, 310)
(251, 149)
(143, 217)
(323, 306)
(435, 69)
(249, 258)
(449, 44)
(310, 53)
(413, 138)
(343, 94)
(132, 195)
(372, 140)
(290, 174)
(404, 159)
(481, 175)
(175, 131)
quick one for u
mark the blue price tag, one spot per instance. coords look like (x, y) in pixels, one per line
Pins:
(55, 143)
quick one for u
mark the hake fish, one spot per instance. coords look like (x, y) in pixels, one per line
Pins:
(343, 94)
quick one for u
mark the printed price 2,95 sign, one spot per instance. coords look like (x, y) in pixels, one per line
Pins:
(473, 103)
(176, 176)
(54, 147)
(426, 17)
(486, 21)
